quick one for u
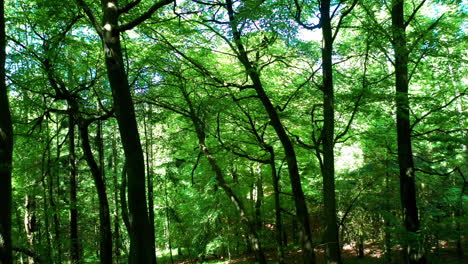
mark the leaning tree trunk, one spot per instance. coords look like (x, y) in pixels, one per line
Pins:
(305, 233)
(105, 242)
(413, 252)
(331, 241)
(6, 151)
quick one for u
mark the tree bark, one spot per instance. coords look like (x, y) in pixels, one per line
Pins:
(331, 236)
(105, 243)
(50, 190)
(30, 222)
(6, 152)
(140, 242)
(148, 146)
(414, 253)
(114, 165)
(276, 192)
(74, 241)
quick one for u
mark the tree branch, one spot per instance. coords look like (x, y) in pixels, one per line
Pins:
(143, 16)
(418, 120)
(89, 13)
(414, 13)
(343, 15)
(128, 7)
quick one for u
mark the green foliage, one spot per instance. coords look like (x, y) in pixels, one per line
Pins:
(172, 60)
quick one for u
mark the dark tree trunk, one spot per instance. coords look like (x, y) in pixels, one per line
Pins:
(387, 235)
(105, 243)
(360, 247)
(328, 167)
(168, 221)
(276, 193)
(123, 200)
(109, 31)
(148, 146)
(74, 241)
(45, 205)
(50, 189)
(414, 253)
(140, 242)
(6, 152)
(113, 165)
(259, 201)
(305, 234)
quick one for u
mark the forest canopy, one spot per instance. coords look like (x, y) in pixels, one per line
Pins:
(233, 131)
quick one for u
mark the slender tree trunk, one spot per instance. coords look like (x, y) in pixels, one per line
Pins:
(414, 252)
(6, 152)
(276, 192)
(55, 184)
(168, 221)
(140, 243)
(305, 234)
(113, 165)
(53, 207)
(331, 240)
(123, 200)
(30, 222)
(259, 201)
(74, 241)
(148, 146)
(45, 205)
(105, 247)
(387, 237)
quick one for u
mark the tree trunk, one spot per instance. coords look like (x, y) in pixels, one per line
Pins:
(168, 221)
(305, 234)
(105, 243)
(414, 252)
(113, 164)
(259, 201)
(6, 152)
(30, 222)
(140, 242)
(123, 200)
(328, 167)
(276, 192)
(148, 146)
(74, 241)
(53, 207)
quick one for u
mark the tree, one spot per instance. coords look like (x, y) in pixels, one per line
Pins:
(6, 152)
(141, 245)
(327, 137)
(414, 251)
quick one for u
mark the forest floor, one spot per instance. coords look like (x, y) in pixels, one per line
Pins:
(373, 255)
